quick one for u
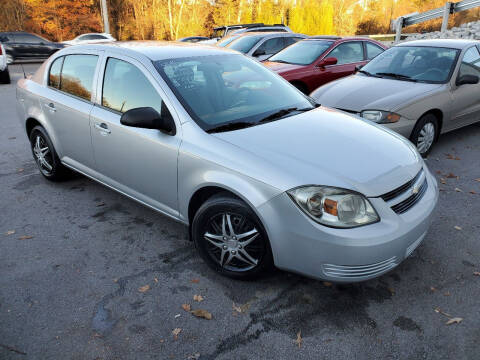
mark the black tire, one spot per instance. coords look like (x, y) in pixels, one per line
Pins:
(58, 172)
(208, 219)
(5, 76)
(302, 87)
(424, 123)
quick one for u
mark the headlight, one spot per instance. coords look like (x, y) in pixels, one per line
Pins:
(334, 207)
(380, 117)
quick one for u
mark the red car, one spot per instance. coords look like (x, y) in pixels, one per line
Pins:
(310, 63)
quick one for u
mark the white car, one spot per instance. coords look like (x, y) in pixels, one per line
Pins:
(91, 38)
(4, 74)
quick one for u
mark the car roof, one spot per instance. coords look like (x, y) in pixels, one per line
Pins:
(269, 33)
(449, 43)
(155, 50)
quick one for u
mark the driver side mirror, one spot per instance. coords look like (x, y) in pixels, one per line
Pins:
(358, 67)
(149, 118)
(467, 79)
(327, 62)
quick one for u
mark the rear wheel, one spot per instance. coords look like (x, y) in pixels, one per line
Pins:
(46, 157)
(230, 238)
(425, 133)
(5, 76)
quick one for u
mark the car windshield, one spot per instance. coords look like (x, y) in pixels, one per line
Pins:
(226, 41)
(221, 90)
(303, 52)
(414, 63)
(244, 43)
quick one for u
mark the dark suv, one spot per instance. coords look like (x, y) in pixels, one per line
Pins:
(21, 45)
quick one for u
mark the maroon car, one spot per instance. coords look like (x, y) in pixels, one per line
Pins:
(315, 61)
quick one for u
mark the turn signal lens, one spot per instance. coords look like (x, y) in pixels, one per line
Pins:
(330, 206)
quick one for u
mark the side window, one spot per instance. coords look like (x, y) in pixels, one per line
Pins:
(291, 40)
(125, 87)
(271, 46)
(54, 75)
(77, 75)
(373, 50)
(470, 63)
(347, 53)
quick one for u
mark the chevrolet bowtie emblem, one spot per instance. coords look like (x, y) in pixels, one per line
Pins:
(415, 190)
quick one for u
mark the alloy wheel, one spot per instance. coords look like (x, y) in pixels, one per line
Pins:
(234, 242)
(426, 137)
(43, 155)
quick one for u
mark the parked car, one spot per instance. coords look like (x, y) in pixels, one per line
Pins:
(193, 39)
(4, 74)
(21, 45)
(92, 38)
(218, 142)
(262, 45)
(227, 40)
(223, 31)
(419, 89)
(318, 60)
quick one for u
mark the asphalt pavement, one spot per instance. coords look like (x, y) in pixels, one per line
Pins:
(86, 273)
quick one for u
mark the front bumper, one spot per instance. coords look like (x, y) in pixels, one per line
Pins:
(346, 255)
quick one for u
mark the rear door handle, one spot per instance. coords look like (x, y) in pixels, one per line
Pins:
(51, 107)
(103, 128)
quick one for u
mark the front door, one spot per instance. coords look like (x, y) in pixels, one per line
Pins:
(466, 98)
(139, 162)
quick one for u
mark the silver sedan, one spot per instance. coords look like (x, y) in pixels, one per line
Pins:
(220, 143)
(419, 89)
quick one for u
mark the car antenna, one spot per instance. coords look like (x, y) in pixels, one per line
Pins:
(24, 75)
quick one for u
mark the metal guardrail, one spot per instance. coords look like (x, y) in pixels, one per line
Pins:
(443, 12)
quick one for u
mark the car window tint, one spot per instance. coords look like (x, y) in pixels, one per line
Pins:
(125, 87)
(271, 46)
(303, 52)
(54, 75)
(291, 40)
(5, 38)
(373, 50)
(28, 38)
(77, 75)
(347, 53)
(470, 63)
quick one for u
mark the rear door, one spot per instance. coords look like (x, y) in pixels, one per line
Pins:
(68, 106)
(139, 162)
(349, 54)
(466, 98)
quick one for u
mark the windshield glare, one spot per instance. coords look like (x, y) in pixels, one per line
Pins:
(303, 52)
(226, 41)
(425, 64)
(244, 43)
(221, 89)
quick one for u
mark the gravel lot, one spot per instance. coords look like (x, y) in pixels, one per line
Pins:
(71, 291)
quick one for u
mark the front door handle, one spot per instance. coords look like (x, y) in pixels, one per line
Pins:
(51, 107)
(103, 128)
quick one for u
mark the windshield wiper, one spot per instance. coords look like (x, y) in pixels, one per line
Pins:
(231, 126)
(280, 61)
(367, 73)
(281, 113)
(396, 76)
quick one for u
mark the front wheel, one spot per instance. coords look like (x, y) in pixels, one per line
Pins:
(425, 133)
(231, 239)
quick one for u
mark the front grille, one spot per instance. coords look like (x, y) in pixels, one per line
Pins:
(400, 190)
(358, 271)
(406, 204)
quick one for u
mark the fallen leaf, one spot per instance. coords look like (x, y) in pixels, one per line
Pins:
(442, 180)
(451, 175)
(19, 170)
(143, 289)
(472, 192)
(457, 227)
(477, 179)
(476, 273)
(433, 288)
(298, 341)
(328, 284)
(237, 308)
(450, 156)
(455, 320)
(186, 307)
(437, 310)
(194, 356)
(100, 204)
(458, 190)
(439, 172)
(10, 232)
(198, 298)
(447, 293)
(175, 333)
(177, 316)
(156, 280)
(392, 291)
(202, 314)
(195, 281)
(25, 237)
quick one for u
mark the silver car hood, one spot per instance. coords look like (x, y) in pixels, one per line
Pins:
(325, 147)
(358, 92)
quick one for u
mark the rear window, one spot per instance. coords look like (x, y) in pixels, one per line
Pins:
(244, 43)
(77, 75)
